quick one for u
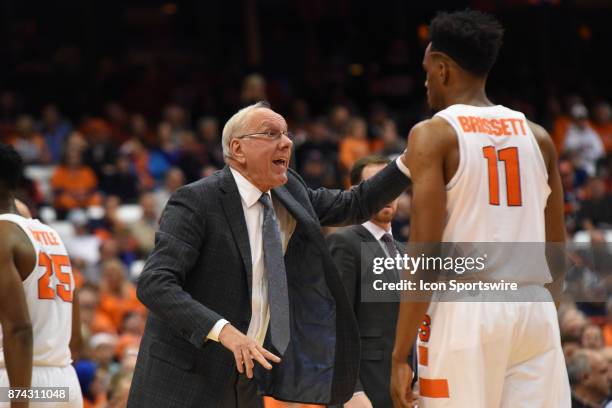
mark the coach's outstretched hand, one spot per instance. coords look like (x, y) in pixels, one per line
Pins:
(245, 350)
(401, 391)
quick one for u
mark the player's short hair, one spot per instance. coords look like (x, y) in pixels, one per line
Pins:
(11, 166)
(357, 169)
(471, 38)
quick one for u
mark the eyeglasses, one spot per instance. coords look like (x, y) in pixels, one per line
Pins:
(268, 135)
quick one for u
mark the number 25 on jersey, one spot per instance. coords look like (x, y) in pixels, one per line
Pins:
(53, 265)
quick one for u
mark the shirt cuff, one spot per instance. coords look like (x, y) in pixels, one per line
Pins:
(402, 166)
(213, 334)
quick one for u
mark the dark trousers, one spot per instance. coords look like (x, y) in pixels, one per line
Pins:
(241, 393)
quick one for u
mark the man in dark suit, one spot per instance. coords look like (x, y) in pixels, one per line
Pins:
(376, 318)
(240, 276)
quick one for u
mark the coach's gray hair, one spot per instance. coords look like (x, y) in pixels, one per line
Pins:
(236, 124)
(578, 366)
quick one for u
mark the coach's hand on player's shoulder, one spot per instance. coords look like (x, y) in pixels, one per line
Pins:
(401, 391)
(245, 350)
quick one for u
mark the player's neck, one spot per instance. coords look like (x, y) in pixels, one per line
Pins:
(7, 203)
(471, 94)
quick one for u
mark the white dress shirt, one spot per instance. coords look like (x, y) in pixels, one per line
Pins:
(253, 215)
(378, 233)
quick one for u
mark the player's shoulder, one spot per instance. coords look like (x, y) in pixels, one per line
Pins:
(544, 140)
(434, 134)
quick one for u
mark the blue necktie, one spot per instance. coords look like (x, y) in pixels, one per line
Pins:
(278, 297)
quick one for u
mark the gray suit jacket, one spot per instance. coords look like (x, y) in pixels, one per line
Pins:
(200, 271)
(376, 320)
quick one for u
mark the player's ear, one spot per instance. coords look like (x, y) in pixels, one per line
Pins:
(443, 71)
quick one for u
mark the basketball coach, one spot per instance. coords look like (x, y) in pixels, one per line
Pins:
(244, 297)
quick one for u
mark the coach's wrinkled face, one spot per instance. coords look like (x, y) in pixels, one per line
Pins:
(263, 149)
(436, 72)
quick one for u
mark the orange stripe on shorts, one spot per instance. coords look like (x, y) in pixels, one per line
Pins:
(423, 356)
(433, 388)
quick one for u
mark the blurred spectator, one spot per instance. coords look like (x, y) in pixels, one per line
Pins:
(106, 226)
(572, 323)
(339, 118)
(29, 143)
(75, 141)
(109, 250)
(607, 329)
(74, 184)
(602, 123)
(596, 211)
(144, 229)
(177, 119)
(167, 153)
(118, 122)
(581, 142)
(253, 90)
(120, 390)
(83, 245)
(192, 156)
(392, 145)
(589, 379)
(592, 338)
(121, 182)
(92, 319)
(92, 383)
(8, 114)
(139, 129)
(354, 143)
(173, 180)
(54, 130)
(132, 330)
(117, 294)
(209, 135)
(138, 156)
(102, 346)
(101, 154)
(316, 157)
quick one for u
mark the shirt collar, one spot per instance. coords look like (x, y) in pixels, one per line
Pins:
(376, 230)
(248, 192)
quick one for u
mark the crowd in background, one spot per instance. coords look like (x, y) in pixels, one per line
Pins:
(102, 181)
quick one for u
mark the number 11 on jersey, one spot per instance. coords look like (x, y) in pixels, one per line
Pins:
(510, 157)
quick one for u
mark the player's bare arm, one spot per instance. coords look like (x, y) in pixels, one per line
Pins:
(14, 317)
(429, 143)
(76, 340)
(553, 214)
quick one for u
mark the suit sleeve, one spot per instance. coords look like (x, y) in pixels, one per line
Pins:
(354, 206)
(160, 286)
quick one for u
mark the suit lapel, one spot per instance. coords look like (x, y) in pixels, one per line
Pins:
(232, 206)
(295, 208)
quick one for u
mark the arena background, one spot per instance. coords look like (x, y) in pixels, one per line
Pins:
(137, 91)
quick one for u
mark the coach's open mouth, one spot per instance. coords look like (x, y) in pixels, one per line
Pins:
(281, 162)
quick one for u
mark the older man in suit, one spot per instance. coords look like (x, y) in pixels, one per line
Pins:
(377, 317)
(244, 296)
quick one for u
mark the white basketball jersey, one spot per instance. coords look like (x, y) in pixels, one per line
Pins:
(500, 189)
(48, 291)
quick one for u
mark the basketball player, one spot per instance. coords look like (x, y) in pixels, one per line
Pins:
(36, 299)
(481, 173)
